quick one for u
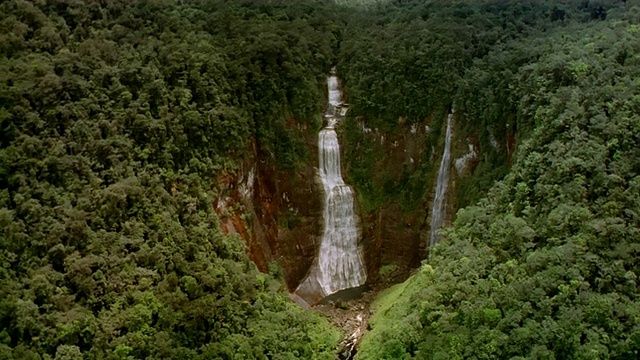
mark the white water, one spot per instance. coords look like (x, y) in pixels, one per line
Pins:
(340, 264)
(335, 97)
(439, 203)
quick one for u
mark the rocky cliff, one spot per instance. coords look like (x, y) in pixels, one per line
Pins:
(279, 212)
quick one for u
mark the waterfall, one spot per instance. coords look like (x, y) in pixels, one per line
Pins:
(439, 203)
(340, 264)
(335, 97)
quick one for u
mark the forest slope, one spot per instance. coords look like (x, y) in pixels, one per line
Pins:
(115, 118)
(545, 266)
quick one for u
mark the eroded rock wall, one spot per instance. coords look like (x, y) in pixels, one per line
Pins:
(278, 213)
(392, 234)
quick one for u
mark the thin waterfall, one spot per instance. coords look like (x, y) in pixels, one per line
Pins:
(439, 203)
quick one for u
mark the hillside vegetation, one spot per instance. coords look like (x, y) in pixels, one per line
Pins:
(115, 119)
(544, 266)
(118, 119)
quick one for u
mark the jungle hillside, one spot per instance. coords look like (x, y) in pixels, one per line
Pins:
(119, 120)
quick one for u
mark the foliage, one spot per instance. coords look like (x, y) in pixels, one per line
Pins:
(387, 270)
(116, 117)
(410, 62)
(545, 265)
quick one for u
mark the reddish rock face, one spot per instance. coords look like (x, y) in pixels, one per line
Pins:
(390, 238)
(277, 213)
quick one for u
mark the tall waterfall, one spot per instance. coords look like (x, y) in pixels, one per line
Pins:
(339, 264)
(439, 203)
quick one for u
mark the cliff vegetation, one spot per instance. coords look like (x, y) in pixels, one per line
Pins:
(544, 264)
(116, 118)
(122, 121)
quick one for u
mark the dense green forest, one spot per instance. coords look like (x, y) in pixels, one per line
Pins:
(409, 62)
(545, 265)
(117, 117)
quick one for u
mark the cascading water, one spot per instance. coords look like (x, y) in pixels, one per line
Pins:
(439, 203)
(339, 260)
(335, 96)
(339, 264)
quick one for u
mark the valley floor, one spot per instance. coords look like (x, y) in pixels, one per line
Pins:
(352, 316)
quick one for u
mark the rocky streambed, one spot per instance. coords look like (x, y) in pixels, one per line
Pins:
(352, 317)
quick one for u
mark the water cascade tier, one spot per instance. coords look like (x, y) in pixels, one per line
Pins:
(339, 260)
(439, 204)
(335, 96)
(339, 263)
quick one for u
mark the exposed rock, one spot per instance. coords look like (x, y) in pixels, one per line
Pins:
(277, 213)
(462, 163)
